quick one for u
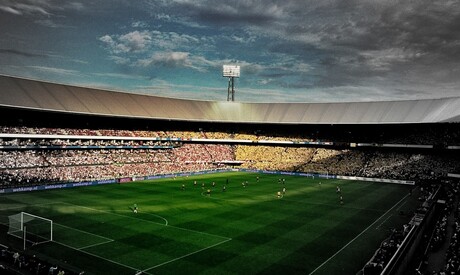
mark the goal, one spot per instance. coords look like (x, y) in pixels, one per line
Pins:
(30, 228)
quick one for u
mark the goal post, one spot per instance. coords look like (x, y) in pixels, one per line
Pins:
(30, 228)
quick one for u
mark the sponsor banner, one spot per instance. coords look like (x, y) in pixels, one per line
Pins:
(303, 174)
(407, 182)
(55, 186)
(124, 180)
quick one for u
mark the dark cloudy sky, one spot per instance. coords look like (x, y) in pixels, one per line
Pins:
(288, 50)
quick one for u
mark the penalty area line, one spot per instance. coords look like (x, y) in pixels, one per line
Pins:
(186, 255)
(357, 236)
(100, 257)
(85, 232)
(93, 245)
(146, 213)
(115, 214)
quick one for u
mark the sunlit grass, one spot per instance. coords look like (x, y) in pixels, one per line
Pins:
(244, 229)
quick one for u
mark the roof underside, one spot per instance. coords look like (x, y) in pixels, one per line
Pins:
(32, 94)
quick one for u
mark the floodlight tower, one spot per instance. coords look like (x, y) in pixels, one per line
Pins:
(231, 72)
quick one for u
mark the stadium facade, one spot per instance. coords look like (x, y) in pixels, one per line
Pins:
(38, 95)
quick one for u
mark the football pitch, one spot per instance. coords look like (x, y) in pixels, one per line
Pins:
(244, 229)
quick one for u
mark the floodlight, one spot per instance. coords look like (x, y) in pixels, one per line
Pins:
(231, 71)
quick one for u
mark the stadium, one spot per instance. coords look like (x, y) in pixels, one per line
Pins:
(102, 182)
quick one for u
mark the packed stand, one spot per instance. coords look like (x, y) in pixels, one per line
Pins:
(447, 229)
(383, 255)
(26, 166)
(16, 262)
(19, 168)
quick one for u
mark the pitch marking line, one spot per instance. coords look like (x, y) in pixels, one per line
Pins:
(112, 213)
(186, 255)
(383, 221)
(226, 239)
(334, 205)
(143, 213)
(102, 237)
(362, 232)
(93, 245)
(138, 219)
(100, 257)
(108, 240)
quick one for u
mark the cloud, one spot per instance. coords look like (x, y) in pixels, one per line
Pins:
(167, 59)
(131, 42)
(54, 70)
(139, 24)
(362, 47)
(384, 59)
(237, 12)
(141, 41)
(21, 53)
(43, 12)
(32, 9)
(11, 10)
(120, 76)
(120, 60)
(28, 7)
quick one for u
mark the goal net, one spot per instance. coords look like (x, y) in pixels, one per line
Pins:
(30, 228)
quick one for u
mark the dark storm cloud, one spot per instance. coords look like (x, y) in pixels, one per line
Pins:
(373, 34)
(222, 13)
(372, 49)
(368, 39)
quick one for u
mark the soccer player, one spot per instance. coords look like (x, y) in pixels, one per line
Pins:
(213, 184)
(208, 192)
(337, 189)
(194, 183)
(278, 194)
(257, 178)
(183, 187)
(224, 188)
(135, 208)
(284, 190)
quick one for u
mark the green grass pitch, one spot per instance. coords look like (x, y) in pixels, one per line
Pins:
(246, 229)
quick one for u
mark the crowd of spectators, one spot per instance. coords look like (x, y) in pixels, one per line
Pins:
(447, 134)
(453, 252)
(272, 158)
(386, 250)
(17, 262)
(80, 132)
(15, 142)
(447, 229)
(31, 167)
(371, 164)
(389, 246)
(19, 166)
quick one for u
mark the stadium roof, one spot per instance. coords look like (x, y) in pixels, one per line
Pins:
(39, 95)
